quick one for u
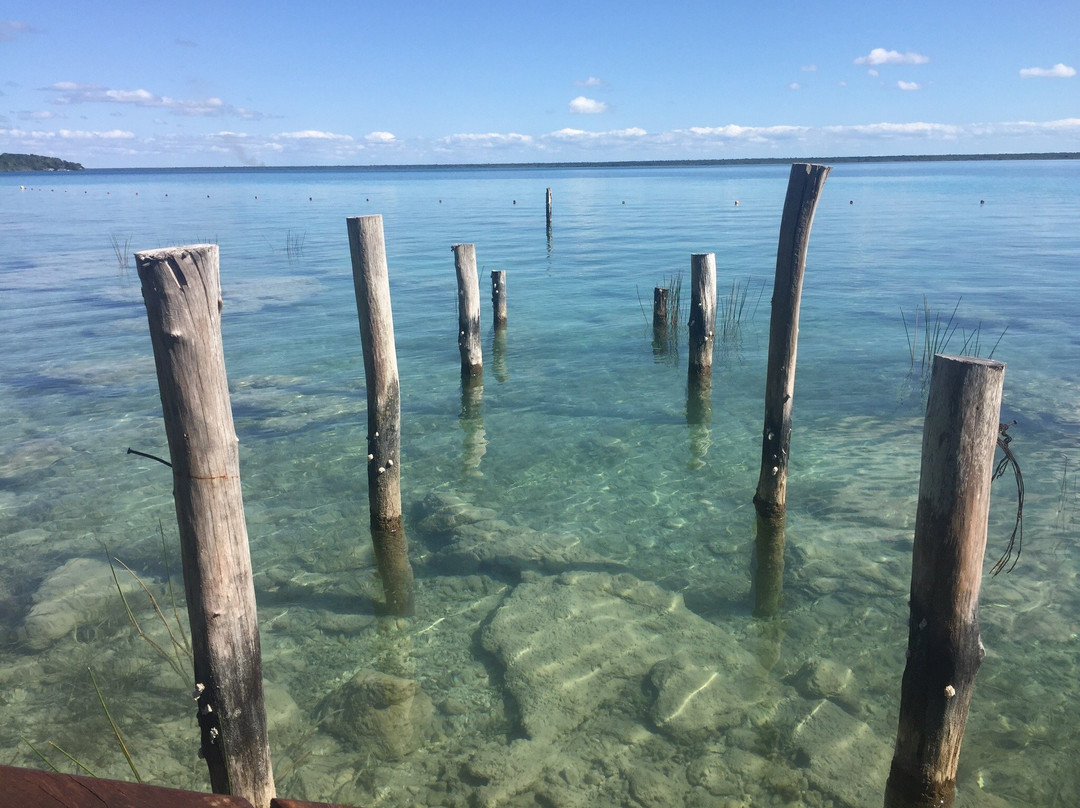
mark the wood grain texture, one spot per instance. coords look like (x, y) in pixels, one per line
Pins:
(468, 284)
(371, 280)
(804, 189)
(944, 647)
(181, 290)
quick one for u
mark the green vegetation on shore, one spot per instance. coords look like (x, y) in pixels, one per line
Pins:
(35, 162)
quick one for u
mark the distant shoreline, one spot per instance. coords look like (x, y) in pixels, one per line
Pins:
(735, 161)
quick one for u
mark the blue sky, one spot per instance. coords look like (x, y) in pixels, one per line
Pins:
(365, 82)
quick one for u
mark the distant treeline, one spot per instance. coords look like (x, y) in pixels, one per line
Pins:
(35, 162)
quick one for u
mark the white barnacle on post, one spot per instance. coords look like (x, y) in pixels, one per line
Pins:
(950, 691)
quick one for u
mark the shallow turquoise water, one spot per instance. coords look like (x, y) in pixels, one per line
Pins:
(582, 426)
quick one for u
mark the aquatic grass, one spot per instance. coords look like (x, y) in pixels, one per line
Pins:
(733, 312)
(937, 334)
(122, 250)
(181, 651)
(294, 245)
(115, 728)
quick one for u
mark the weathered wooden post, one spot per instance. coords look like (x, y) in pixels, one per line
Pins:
(371, 281)
(498, 297)
(549, 211)
(472, 359)
(804, 187)
(944, 649)
(182, 290)
(660, 310)
(702, 314)
(471, 418)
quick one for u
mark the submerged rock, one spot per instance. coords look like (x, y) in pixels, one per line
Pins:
(468, 539)
(385, 715)
(80, 592)
(581, 642)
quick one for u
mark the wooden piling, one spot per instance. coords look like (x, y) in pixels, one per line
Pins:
(182, 292)
(371, 281)
(472, 359)
(804, 188)
(702, 314)
(549, 210)
(659, 309)
(944, 648)
(498, 297)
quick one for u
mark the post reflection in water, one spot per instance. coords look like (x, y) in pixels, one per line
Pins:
(699, 417)
(768, 567)
(474, 440)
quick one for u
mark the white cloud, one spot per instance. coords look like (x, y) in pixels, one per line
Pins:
(880, 56)
(587, 106)
(9, 29)
(380, 137)
(582, 135)
(313, 134)
(794, 86)
(894, 130)
(486, 140)
(1058, 71)
(591, 81)
(69, 92)
(112, 134)
(909, 85)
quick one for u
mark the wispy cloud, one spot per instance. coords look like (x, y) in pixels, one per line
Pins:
(313, 134)
(808, 68)
(591, 81)
(880, 56)
(794, 86)
(587, 106)
(380, 137)
(1058, 71)
(909, 85)
(581, 135)
(69, 92)
(9, 29)
(486, 139)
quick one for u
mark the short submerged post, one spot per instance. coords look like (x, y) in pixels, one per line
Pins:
(182, 291)
(468, 283)
(944, 648)
(498, 297)
(660, 310)
(372, 284)
(804, 188)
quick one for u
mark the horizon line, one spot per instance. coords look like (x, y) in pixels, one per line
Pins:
(705, 162)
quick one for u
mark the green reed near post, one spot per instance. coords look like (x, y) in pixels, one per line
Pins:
(371, 280)
(182, 291)
(944, 650)
(804, 188)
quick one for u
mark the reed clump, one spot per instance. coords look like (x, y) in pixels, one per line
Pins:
(937, 334)
(121, 249)
(733, 311)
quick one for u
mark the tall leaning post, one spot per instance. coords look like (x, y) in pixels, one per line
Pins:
(182, 291)
(944, 648)
(468, 284)
(804, 188)
(371, 280)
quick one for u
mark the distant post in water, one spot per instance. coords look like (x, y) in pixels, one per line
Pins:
(804, 188)
(498, 296)
(472, 360)
(549, 210)
(944, 648)
(182, 291)
(372, 283)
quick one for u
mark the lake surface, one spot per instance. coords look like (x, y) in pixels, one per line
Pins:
(573, 484)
